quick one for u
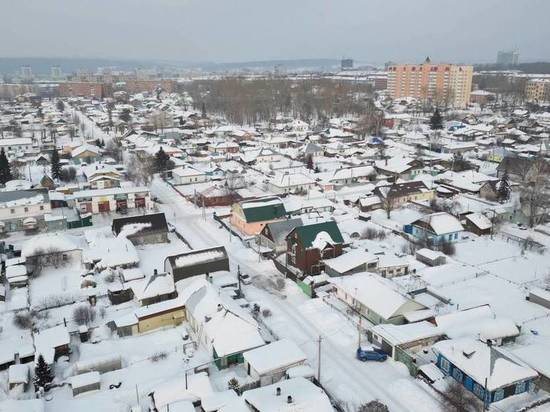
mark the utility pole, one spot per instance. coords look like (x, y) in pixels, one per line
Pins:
(319, 359)
(239, 279)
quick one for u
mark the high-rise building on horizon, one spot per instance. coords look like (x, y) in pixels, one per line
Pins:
(346, 64)
(508, 57)
(26, 73)
(56, 73)
(440, 84)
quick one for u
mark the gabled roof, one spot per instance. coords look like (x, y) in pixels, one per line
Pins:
(280, 229)
(155, 221)
(318, 235)
(260, 210)
(441, 223)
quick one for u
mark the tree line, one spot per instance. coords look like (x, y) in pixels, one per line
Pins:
(245, 101)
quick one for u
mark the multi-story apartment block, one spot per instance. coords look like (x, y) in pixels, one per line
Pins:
(538, 90)
(440, 84)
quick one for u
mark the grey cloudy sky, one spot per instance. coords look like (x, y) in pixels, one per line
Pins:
(242, 30)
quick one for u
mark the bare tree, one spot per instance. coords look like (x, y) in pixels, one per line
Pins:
(373, 406)
(535, 193)
(458, 399)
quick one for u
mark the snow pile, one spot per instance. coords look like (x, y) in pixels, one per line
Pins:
(132, 229)
(51, 241)
(196, 258)
(322, 240)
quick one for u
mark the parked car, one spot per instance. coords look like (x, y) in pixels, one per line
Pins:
(246, 279)
(371, 355)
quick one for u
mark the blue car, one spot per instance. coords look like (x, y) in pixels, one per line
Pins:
(371, 355)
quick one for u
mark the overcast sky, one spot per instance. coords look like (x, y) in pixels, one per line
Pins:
(242, 30)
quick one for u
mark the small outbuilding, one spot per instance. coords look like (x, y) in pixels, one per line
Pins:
(197, 262)
(145, 229)
(86, 382)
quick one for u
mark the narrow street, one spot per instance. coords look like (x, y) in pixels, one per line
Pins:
(341, 373)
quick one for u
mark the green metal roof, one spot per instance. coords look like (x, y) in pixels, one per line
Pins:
(308, 233)
(264, 213)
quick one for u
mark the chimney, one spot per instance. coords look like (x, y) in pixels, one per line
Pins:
(155, 272)
(278, 391)
(220, 307)
(289, 399)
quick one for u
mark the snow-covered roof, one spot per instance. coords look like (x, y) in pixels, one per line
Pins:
(85, 379)
(45, 242)
(18, 374)
(376, 293)
(488, 366)
(400, 334)
(479, 220)
(275, 356)
(443, 223)
(305, 397)
(48, 339)
(351, 260)
(193, 388)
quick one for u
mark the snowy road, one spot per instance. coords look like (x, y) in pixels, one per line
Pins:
(304, 320)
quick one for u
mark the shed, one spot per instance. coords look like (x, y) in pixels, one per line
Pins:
(430, 257)
(197, 262)
(18, 375)
(540, 297)
(352, 262)
(101, 364)
(269, 363)
(86, 382)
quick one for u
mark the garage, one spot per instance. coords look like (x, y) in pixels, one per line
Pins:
(140, 202)
(103, 207)
(121, 204)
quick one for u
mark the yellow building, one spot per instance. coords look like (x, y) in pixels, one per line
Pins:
(537, 90)
(440, 84)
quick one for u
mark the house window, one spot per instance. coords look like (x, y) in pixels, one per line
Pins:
(521, 387)
(458, 375)
(445, 365)
(12, 211)
(26, 209)
(65, 257)
(456, 235)
(499, 395)
(478, 391)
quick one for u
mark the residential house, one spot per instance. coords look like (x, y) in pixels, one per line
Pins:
(398, 194)
(251, 216)
(221, 326)
(186, 175)
(478, 223)
(142, 229)
(309, 245)
(490, 373)
(375, 298)
(23, 209)
(290, 183)
(436, 228)
(85, 153)
(216, 196)
(297, 394)
(273, 235)
(102, 176)
(352, 175)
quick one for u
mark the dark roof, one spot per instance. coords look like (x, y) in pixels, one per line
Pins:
(308, 233)
(260, 213)
(281, 228)
(403, 189)
(157, 221)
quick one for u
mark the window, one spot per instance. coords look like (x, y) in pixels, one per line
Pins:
(41, 207)
(499, 395)
(65, 257)
(12, 211)
(478, 391)
(521, 387)
(26, 209)
(458, 375)
(445, 365)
